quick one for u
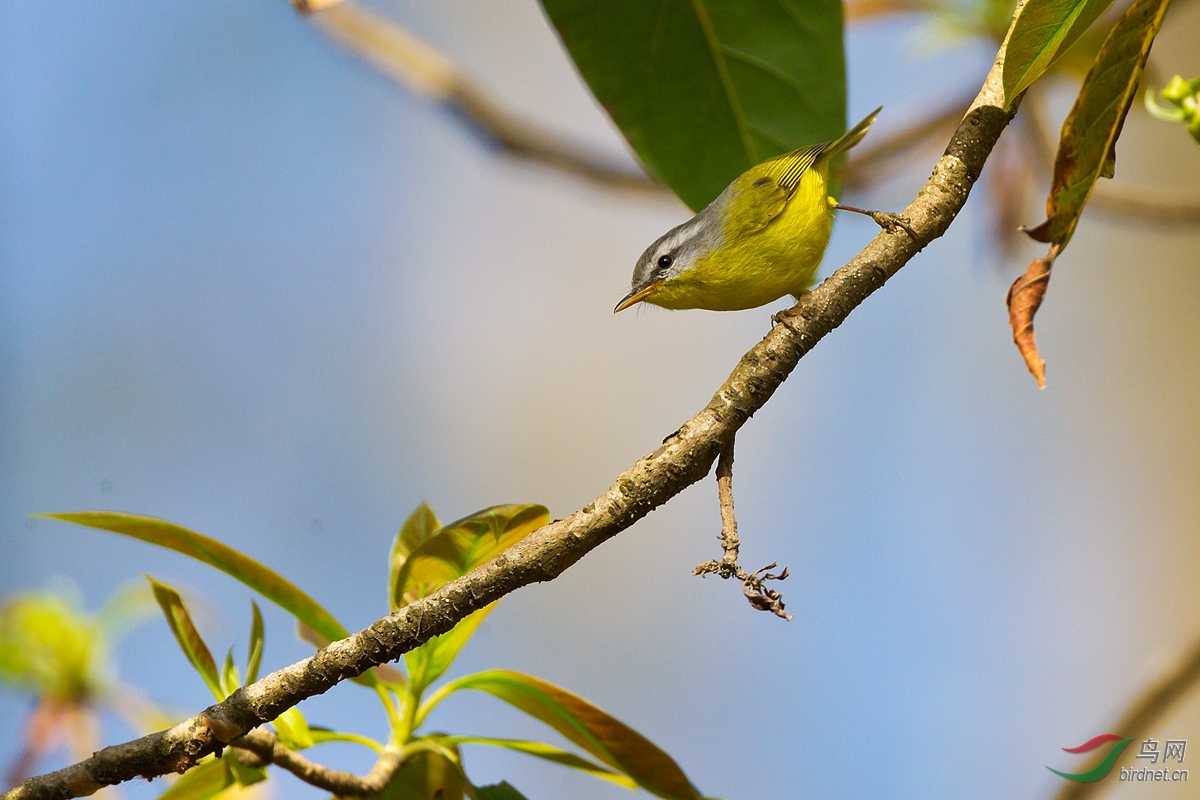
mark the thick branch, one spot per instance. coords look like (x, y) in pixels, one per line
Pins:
(685, 457)
(1155, 701)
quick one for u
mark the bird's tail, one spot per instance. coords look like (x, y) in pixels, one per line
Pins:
(851, 137)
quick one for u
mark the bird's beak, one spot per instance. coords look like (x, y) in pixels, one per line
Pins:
(636, 297)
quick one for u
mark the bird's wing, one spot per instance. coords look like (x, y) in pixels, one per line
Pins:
(789, 168)
(765, 196)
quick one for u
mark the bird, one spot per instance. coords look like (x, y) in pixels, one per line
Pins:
(760, 239)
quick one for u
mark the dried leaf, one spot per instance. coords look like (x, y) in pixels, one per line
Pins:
(1089, 134)
(1024, 298)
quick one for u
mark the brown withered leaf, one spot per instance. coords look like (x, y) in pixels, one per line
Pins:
(1086, 149)
(1024, 298)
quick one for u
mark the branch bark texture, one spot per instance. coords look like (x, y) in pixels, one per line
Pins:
(685, 457)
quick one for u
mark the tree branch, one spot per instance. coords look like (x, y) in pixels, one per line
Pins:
(267, 748)
(754, 584)
(1158, 698)
(420, 68)
(685, 457)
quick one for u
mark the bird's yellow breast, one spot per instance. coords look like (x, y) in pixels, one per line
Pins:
(748, 270)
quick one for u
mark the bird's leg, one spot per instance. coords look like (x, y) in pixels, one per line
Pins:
(884, 219)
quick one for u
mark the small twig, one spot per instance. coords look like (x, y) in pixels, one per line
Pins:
(265, 746)
(422, 69)
(1155, 701)
(753, 584)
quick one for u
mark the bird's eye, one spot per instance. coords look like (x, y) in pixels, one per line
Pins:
(665, 261)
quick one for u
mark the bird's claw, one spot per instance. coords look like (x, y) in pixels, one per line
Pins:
(891, 222)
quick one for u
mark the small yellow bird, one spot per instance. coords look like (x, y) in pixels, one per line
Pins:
(762, 238)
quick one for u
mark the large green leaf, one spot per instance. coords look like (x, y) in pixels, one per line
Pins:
(262, 579)
(190, 641)
(201, 782)
(605, 737)
(1043, 31)
(1089, 134)
(705, 89)
(420, 525)
(424, 559)
(549, 753)
(498, 791)
(456, 549)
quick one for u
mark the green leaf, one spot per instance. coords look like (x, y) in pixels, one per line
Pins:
(424, 559)
(229, 675)
(427, 775)
(262, 579)
(53, 649)
(420, 525)
(1043, 31)
(456, 549)
(430, 661)
(605, 737)
(190, 641)
(244, 774)
(704, 90)
(1090, 132)
(292, 729)
(254, 660)
(207, 779)
(322, 735)
(549, 753)
(498, 791)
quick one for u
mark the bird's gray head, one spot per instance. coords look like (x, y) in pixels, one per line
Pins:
(675, 252)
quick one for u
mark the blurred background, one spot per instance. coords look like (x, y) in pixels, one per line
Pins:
(249, 285)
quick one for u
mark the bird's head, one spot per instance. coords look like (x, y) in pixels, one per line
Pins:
(674, 253)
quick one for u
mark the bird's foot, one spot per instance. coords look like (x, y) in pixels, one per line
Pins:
(885, 219)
